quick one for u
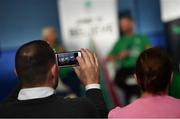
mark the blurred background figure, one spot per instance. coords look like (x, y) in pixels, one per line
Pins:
(125, 53)
(49, 34)
(67, 75)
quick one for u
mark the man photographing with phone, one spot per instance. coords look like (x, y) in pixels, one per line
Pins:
(36, 69)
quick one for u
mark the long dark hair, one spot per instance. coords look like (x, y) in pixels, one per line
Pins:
(153, 70)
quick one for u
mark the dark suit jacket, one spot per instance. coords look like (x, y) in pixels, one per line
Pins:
(54, 106)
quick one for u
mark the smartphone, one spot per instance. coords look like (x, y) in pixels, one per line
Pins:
(67, 59)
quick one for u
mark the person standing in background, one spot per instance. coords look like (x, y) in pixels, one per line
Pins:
(67, 74)
(125, 53)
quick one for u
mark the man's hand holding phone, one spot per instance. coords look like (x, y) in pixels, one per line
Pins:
(88, 69)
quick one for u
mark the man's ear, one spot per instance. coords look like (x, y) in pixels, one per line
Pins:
(53, 81)
(54, 70)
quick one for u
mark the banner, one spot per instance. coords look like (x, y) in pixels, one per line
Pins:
(170, 15)
(85, 20)
(172, 29)
(170, 11)
(92, 24)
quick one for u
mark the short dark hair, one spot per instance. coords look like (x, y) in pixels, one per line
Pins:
(153, 70)
(126, 17)
(125, 14)
(33, 61)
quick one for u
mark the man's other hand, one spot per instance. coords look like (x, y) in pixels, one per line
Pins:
(88, 69)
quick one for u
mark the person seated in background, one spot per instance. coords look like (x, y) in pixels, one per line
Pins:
(67, 74)
(125, 53)
(37, 71)
(154, 74)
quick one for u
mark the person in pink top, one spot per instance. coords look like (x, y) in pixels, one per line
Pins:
(153, 74)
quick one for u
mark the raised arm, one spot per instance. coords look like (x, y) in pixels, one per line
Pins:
(88, 73)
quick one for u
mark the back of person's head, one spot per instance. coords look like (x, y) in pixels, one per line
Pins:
(154, 71)
(33, 62)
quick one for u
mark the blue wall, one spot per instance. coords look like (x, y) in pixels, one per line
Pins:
(21, 21)
(7, 75)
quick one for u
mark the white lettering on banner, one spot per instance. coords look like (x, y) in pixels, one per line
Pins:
(84, 22)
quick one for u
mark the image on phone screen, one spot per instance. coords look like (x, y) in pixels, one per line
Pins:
(67, 59)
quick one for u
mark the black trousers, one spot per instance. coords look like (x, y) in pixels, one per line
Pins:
(120, 80)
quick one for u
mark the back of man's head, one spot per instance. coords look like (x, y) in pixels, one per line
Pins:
(33, 62)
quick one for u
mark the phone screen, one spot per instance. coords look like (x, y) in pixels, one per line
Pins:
(67, 59)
